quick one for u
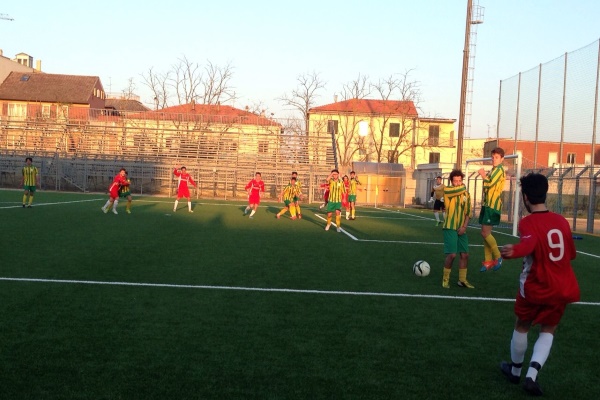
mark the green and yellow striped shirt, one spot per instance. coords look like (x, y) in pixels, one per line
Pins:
(125, 189)
(290, 191)
(493, 185)
(353, 186)
(336, 189)
(30, 175)
(458, 206)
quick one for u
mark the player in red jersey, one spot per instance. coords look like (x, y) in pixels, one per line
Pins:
(325, 187)
(547, 283)
(345, 202)
(113, 190)
(254, 188)
(182, 187)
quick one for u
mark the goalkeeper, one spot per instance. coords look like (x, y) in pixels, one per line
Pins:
(437, 198)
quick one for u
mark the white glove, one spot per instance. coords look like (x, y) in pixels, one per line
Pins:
(442, 199)
(432, 199)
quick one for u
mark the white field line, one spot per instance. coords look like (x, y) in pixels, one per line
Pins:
(20, 205)
(275, 290)
(470, 245)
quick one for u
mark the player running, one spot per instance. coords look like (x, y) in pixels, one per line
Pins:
(113, 191)
(287, 195)
(254, 188)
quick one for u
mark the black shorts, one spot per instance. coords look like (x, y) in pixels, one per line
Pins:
(439, 205)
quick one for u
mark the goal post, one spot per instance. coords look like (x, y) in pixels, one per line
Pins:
(517, 189)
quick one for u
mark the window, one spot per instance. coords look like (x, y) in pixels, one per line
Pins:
(434, 135)
(332, 127)
(263, 147)
(434, 158)
(17, 110)
(46, 111)
(392, 156)
(394, 129)
(570, 158)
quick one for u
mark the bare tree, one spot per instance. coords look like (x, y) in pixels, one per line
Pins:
(187, 82)
(129, 92)
(217, 84)
(159, 85)
(402, 136)
(304, 96)
(359, 88)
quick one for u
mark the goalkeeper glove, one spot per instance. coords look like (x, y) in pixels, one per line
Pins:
(442, 199)
(431, 200)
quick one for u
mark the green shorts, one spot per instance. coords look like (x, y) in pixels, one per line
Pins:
(453, 243)
(124, 194)
(488, 216)
(287, 202)
(296, 199)
(333, 206)
(29, 188)
(351, 198)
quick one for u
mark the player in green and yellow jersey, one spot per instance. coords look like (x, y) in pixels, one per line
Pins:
(491, 208)
(354, 182)
(29, 181)
(458, 210)
(289, 192)
(334, 203)
(298, 195)
(125, 193)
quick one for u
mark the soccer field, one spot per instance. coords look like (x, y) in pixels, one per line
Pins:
(214, 305)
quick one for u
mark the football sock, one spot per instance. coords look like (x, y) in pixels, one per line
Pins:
(24, 198)
(487, 252)
(541, 351)
(252, 213)
(353, 213)
(462, 274)
(518, 347)
(347, 214)
(298, 210)
(190, 205)
(293, 211)
(493, 246)
(30, 199)
(175, 206)
(115, 204)
(107, 205)
(447, 273)
(437, 216)
(328, 219)
(338, 220)
(444, 214)
(128, 205)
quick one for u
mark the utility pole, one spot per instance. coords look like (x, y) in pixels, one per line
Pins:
(466, 87)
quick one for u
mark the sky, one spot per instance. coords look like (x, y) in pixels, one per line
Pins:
(270, 43)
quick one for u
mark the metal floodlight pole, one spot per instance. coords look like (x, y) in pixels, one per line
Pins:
(463, 87)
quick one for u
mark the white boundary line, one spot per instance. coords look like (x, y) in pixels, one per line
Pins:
(35, 205)
(275, 290)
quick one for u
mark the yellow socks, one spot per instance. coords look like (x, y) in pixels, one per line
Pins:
(492, 247)
(447, 273)
(338, 219)
(462, 274)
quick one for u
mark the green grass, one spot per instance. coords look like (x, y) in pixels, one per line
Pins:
(212, 305)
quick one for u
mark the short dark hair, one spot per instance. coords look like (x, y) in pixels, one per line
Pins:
(182, 167)
(455, 172)
(535, 187)
(258, 173)
(335, 170)
(352, 172)
(29, 159)
(438, 177)
(292, 179)
(294, 173)
(498, 150)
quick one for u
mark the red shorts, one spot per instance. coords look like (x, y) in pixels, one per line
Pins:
(543, 314)
(183, 191)
(254, 199)
(114, 194)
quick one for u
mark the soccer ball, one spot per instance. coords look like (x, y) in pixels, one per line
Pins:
(421, 268)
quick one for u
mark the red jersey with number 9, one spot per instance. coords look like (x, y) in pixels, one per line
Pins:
(547, 249)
